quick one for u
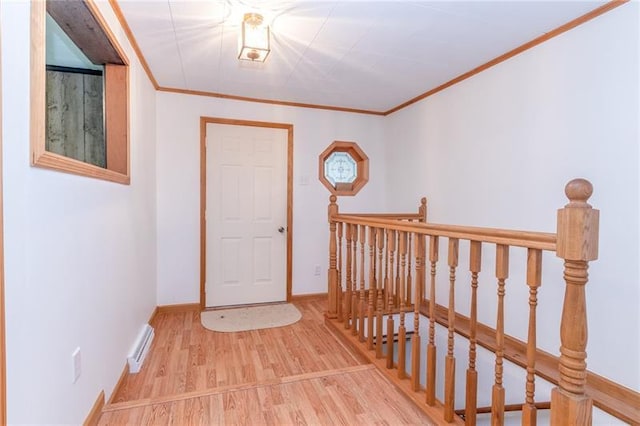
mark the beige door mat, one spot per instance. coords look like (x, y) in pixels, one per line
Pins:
(250, 318)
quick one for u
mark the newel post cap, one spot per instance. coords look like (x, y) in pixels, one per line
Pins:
(578, 191)
(578, 224)
(333, 207)
(422, 210)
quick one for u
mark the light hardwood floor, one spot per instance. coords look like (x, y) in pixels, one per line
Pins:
(298, 374)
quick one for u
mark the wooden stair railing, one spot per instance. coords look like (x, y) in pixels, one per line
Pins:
(388, 259)
(577, 245)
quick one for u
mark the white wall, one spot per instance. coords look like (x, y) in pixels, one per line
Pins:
(497, 149)
(82, 255)
(178, 186)
(79, 253)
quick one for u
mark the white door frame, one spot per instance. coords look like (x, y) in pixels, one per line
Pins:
(203, 195)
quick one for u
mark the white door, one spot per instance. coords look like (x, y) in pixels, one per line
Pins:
(246, 215)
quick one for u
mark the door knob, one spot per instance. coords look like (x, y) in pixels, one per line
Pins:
(281, 230)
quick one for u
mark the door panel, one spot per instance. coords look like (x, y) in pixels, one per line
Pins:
(246, 205)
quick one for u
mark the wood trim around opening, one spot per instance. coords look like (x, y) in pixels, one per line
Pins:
(203, 197)
(116, 114)
(362, 165)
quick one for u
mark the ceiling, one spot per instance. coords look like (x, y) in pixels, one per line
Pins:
(366, 55)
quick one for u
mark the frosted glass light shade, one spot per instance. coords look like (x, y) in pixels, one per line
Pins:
(254, 43)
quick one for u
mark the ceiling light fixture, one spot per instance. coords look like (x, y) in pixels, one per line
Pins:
(254, 39)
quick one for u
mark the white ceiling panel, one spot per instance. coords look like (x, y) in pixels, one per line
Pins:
(513, 13)
(371, 55)
(302, 22)
(199, 13)
(153, 29)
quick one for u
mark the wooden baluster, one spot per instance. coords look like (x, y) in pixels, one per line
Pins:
(471, 403)
(422, 211)
(362, 305)
(402, 331)
(417, 300)
(374, 260)
(332, 291)
(354, 295)
(380, 297)
(450, 360)
(348, 313)
(534, 279)
(497, 397)
(396, 292)
(372, 287)
(431, 347)
(409, 283)
(339, 228)
(577, 244)
(387, 282)
(391, 247)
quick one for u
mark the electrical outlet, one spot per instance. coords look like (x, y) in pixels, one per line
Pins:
(77, 364)
(316, 271)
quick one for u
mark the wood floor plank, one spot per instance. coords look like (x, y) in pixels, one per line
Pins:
(233, 388)
(357, 397)
(298, 374)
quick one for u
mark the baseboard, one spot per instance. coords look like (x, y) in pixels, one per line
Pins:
(96, 411)
(125, 372)
(308, 296)
(184, 307)
(153, 315)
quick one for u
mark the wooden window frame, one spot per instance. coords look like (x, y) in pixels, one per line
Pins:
(362, 165)
(104, 47)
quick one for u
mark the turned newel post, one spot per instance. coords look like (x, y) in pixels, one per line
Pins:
(422, 210)
(577, 244)
(332, 305)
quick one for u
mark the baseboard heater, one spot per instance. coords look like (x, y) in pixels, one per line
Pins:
(140, 350)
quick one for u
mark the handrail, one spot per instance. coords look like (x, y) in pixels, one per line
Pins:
(388, 266)
(526, 239)
(396, 216)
